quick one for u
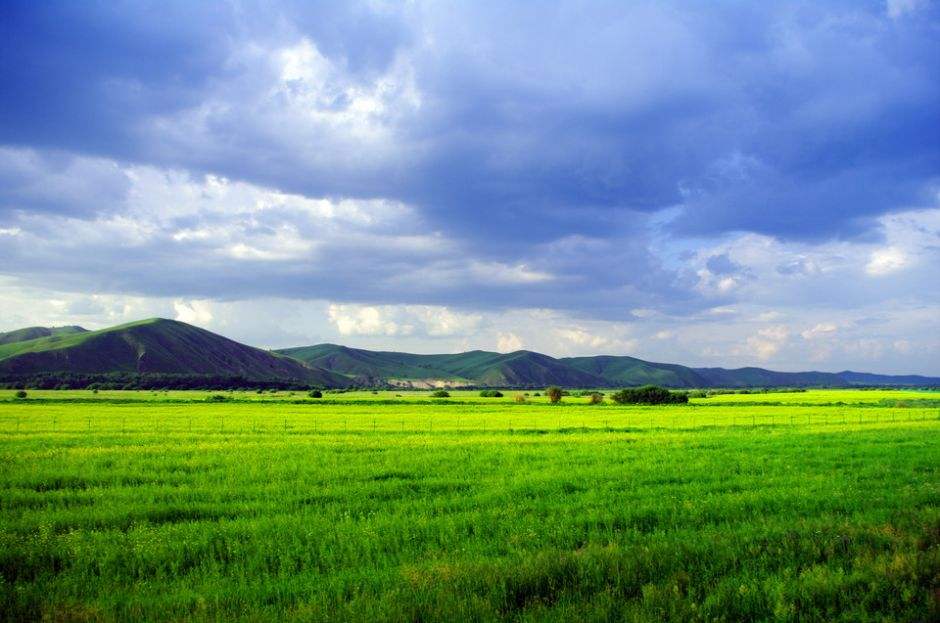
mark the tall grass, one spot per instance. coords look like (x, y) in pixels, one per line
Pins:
(493, 510)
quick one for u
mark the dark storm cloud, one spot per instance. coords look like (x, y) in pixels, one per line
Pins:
(541, 143)
(796, 119)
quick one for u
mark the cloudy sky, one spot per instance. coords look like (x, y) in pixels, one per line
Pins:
(730, 183)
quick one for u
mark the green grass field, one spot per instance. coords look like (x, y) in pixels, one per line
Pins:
(820, 505)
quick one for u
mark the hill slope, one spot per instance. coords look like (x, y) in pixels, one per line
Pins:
(32, 333)
(155, 346)
(478, 367)
(529, 369)
(631, 371)
(168, 347)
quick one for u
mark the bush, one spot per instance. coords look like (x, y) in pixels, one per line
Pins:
(554, 393)
(21, 394)
(441, 393)
(596, 398)
(519, 398)
(648, 395)
(536, 394)
(217, 398)
(491, 393)
(315, 393)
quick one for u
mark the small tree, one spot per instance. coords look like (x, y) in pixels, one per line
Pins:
(21, 393)
(441, 393)
(315, 393)
(519, 398)
(649, 395)
(554, 394)
(596, 398)
(491, 393)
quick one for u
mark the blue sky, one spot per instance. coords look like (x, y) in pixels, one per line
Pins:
(705, 183)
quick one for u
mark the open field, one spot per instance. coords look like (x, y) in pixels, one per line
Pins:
(819, 505)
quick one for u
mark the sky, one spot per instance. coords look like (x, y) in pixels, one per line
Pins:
(712, 184)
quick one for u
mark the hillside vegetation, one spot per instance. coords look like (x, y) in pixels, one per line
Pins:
(529, 369)
(154, 347)
(353, 508)
(32, 333)
(159, 353)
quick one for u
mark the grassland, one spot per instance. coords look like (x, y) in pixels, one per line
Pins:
(394, 506)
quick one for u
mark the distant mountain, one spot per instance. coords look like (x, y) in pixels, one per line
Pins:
(910, 380)
(631, 371)
(521, 368)
(529, 369)
(32, 333)
(155, 346)
(192, 357)
(759, 377)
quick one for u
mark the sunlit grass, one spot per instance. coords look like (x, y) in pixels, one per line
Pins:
(478, 509)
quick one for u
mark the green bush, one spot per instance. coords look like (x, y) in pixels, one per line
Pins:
(315, 393)
(441, 393)
(554, 393)
(595, 398)
(217, 398)
(491, 393)
(21, 394)
(648, 395)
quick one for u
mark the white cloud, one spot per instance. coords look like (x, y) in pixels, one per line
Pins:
(197, 312)
(886, 261)
(579, 337)
(820, 330)
(508, 342)
(401, 320)
(365, 320)
(768, 341)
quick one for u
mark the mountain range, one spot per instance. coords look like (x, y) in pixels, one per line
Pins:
(168, 349)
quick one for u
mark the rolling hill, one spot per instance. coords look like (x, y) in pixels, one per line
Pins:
(478, 367)
(32, 333)
(529, 369)
(155, 346)
(170, 348)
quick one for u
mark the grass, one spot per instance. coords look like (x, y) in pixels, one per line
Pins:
(152, 506)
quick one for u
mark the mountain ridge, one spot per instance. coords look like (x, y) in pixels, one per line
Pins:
(530, 369)
(32, 333)
(171, 348)
(155, 346)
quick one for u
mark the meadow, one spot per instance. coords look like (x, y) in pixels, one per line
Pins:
(820, 505)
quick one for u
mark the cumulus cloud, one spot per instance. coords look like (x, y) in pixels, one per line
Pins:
(433, 170)
(886, 261)
(193, 312)
(401, 320)
(768, 341)
(820, 330)
(508, 342)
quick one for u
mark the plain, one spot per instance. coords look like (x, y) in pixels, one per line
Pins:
(818, 505)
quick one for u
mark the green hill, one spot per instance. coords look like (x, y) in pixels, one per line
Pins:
(155, 346)
(631, 371)
(32, 333)
(369, 365)
(759, 377)
(158, 348)
(529, 369)
(520, 369)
